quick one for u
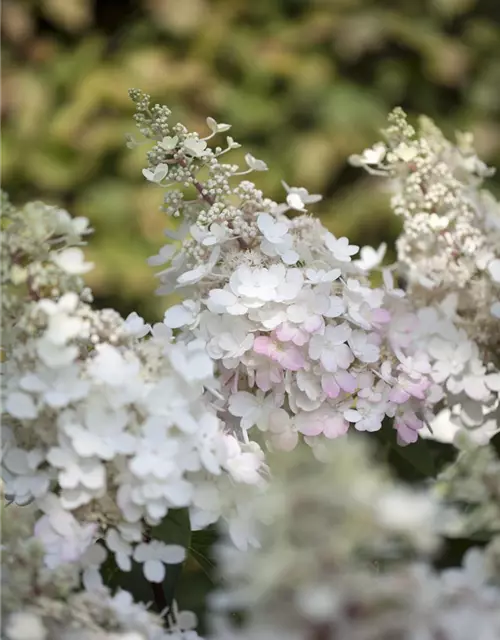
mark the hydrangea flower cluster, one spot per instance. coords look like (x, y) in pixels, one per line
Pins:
(107, 423)
(449, 256)
(473, 479)
(111, 426)
(44, 603)
(304, 345)
(351, 563)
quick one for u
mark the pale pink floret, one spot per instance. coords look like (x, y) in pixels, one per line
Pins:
(407, 388)
(288, 332)
(287, 355)
(324, 420)
(408, 426)
(333, 383)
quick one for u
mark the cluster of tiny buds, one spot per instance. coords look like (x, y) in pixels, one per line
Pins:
(195, 252)
(247, 230)
(105, 326)
(172, 202)
(398, 125)
(219, 212)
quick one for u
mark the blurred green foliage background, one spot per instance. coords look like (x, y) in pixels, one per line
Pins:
(305, 83)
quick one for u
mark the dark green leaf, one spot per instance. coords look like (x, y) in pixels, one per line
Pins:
(174, 529)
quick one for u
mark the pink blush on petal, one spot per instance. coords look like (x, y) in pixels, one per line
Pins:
(335, 427)
(330, 386)
(285, 332)
(383, 316)
(418, 389)
(346, 381)
(313, 324)
(264, 346)
(407, 435)
(407, 427)
(398, 395)
(291, 359)
(312, 428)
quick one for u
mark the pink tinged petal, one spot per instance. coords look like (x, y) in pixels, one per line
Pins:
(335, 427)
(407, 427)
(291, 359)
(313, 428)
(264, 346)
(346, 381)
(313, 324)
(300, 338)
(329, 385)
(398, 395)
(263, 379)
(405, 433)
(285, 332)
(276, 375)
(418, 389)
(309, 424)
(286, 441)
(381, 316)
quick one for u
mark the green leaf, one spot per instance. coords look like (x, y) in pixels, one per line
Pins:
(132, 581)
(174, 529)
(200, 549)
(495, 443)
(420, 460)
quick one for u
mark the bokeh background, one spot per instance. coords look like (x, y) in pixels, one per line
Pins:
(304, 83)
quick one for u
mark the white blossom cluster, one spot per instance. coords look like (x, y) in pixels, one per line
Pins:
(304, 345)
(449, 255)
(345, 554)
(44, 603)
(105, 428)
(473, 479)
(110, 425)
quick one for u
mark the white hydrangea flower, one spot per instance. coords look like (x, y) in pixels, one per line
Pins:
(154, 555)
(371, 258)
(297, 197)
(72, 261)
(157, 174)
(340, 247)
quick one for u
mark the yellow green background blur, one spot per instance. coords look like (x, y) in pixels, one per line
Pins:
(304, 83)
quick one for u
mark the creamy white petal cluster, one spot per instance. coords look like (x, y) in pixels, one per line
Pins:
(449, 255)
(107, 423)
(304, 345)
(41, 602)
(345, 553)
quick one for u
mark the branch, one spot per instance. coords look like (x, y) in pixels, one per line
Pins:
(204, 196)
